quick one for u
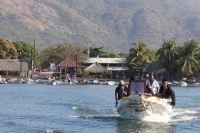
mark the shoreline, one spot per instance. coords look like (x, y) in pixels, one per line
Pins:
(79, 80)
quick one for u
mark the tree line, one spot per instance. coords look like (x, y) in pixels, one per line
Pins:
(51, 54)
(179, 61)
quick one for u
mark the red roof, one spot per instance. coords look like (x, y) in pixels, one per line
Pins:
(68, 62)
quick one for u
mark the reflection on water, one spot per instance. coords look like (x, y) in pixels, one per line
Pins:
(134, 126)
(86, 109)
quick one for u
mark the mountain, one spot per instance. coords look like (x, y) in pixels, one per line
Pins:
(113, 24)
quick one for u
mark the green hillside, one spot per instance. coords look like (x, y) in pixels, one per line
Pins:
(115, 25)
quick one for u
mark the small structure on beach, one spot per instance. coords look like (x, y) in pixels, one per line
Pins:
(12, 66)
(95, 68)
(67, 64)
(155, 68)
(113, 64)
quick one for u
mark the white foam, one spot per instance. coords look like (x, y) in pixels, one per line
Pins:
(157, 118)
(74, 116)
(49, 131)
(182, 111)
(94, 116)
(184, 115)
(74, 108)
(184, 118)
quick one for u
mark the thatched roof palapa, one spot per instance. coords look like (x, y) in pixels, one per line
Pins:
(95, 68)
(13, 65)
(155, 68)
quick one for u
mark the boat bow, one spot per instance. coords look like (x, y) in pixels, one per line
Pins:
(143, 107)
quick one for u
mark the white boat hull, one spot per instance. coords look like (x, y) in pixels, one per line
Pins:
(3, 82)
(110, 82)
(51, 82)
(197, 84)
(182, 83)
(63, 83)
(97, 82)
(174, 83)
(15, 81)
(40, 81)
(28, 81)
(144, 108)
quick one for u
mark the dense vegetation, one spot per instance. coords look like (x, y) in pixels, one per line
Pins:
(114, 25)
(179, 61)
(7, 49)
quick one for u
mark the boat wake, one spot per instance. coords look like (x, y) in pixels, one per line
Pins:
(182, 115)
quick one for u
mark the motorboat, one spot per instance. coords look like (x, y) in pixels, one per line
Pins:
(96, 82)
(40, 81)
(92, 81)
(63, 82)
(15, 81)
(191, 81)
(144, 108)
(28, 81)
(89, 81)
(174, 83)
(51, 82)
(182, 83)
(2, 81)
(110, 82)
(197, 84)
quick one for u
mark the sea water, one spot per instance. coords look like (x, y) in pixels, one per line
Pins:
(44, 108)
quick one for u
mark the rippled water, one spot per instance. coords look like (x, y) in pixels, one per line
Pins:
(86, 109)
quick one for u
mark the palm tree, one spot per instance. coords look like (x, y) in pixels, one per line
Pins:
(168, 55)
(140, 55)
(189, 61)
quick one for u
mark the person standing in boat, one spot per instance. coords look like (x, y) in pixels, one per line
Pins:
(68, 77)
(119, 91)
(152, 85)
(166, 92)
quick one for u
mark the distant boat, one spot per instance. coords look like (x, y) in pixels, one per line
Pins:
(96, 82)
(15, 81)
(182, 83)
(63, 82)
(92, 81)
(51, 82)
(2, 81)
(174, 83)
(28, 81)
(88, 81)
(197, 84)
(110, 82)
(40, 81)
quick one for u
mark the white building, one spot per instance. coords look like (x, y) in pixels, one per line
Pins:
(114, 64)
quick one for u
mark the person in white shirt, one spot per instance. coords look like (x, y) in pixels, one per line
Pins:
(152, 85)
(68, 77)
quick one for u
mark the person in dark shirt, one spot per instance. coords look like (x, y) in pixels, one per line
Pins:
(119, 91)
(166, 92)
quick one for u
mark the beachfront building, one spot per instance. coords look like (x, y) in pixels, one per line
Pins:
(157, 69)
(115, 65)
(15, 67)
(67, 65)
(118, 66)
